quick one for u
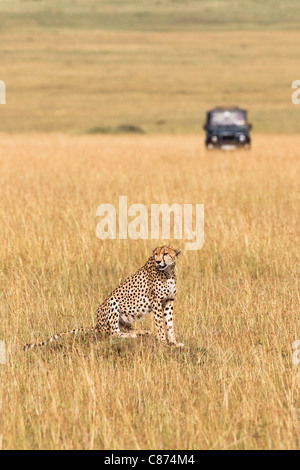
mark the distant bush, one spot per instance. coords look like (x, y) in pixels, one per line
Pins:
(120, 129)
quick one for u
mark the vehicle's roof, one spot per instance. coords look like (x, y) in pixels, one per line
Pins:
(227, 108)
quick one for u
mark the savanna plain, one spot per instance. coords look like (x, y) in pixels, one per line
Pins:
(234, 385)
(75, 83)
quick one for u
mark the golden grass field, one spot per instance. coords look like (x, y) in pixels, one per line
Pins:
(237, 308)
(74, 72)
(162, 82)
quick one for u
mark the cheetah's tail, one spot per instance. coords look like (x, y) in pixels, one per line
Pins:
(56, 337)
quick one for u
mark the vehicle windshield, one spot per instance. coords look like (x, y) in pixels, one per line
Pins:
(228, 118)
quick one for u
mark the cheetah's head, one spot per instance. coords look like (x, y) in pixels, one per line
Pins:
(165, 256)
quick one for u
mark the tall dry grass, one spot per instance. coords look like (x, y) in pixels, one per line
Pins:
(237, 309)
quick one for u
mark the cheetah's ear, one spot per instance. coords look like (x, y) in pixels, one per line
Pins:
(178, 252)
(154, 250)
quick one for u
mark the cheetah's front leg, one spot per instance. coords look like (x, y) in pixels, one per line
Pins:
(158, 319)
(168, 317)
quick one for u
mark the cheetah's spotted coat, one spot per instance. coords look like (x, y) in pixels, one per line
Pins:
(151, 288)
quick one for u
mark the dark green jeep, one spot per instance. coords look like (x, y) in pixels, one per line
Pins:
(227, 128)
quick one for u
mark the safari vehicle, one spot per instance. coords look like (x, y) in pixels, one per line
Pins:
(227, 128)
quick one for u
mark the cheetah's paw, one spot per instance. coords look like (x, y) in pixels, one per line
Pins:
(177, 345)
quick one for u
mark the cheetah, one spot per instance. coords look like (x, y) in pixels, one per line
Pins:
(151, 288)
